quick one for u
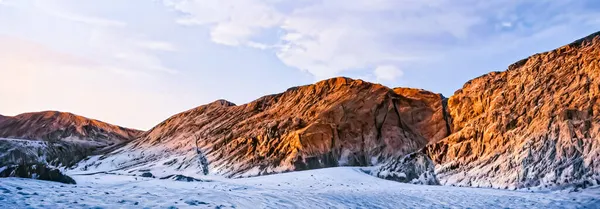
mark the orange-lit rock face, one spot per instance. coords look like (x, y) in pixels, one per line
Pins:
(538, 123)
(425, 111)
(334, 122)
(55, 126)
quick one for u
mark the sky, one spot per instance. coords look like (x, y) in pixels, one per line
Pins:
(135, 63)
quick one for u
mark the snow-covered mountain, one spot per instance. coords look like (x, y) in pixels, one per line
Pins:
(336, 122)
(57, 138)
(536, 124)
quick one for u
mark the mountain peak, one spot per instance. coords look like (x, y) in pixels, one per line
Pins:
(593, 38)
(222, 102)
(335, 83)
(50, 114)
(416, 93)
(590, 38)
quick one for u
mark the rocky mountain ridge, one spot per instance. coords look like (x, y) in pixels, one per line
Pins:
(533, 125)
(335, 122)
(56, 138)
(55, 126)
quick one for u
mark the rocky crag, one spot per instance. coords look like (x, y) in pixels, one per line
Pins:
(535, 124)
(336, 122)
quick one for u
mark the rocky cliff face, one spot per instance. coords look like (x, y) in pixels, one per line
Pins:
(426, 111)
(536, 124)
(336, 122)
(56, 138)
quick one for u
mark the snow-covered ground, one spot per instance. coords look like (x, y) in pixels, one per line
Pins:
(342, 187)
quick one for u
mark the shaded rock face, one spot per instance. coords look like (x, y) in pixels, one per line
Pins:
(415, 168)
(336, 122)
(59, 154)
(147, 175)
(59, 139)
(536, 124)
(183, 178)
(35, 171)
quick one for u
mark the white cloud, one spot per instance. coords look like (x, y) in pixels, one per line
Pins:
(232, 22)
(36, 77)
(125, 52)
(387, 73)
(88, 59)
(52, 8)
(157, 45)
(114, 46)
(329, 37)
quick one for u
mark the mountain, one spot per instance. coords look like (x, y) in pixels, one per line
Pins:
(535, 124)
(57, 138)
(336, 122)
(56, 126)
(4, 118)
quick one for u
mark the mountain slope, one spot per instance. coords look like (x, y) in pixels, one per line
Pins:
(55, 126)
(536, 124)
(334, 122)
(56, 138)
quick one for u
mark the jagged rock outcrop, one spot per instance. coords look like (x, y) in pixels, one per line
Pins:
(336, 122)
(35, 171)
(536, 124)
(56, 138)
(415, 168)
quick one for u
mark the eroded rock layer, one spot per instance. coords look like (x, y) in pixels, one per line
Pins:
(536, 124)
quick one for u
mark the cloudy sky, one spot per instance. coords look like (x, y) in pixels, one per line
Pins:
(136, 62)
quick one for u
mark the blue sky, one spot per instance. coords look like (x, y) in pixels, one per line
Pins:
(137, 62)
